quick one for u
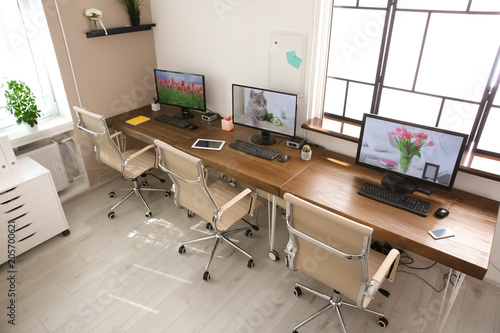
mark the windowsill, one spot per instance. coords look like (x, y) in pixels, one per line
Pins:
(475, 164)
(20, 135)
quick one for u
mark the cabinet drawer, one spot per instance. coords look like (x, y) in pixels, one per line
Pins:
(35, 238)
(29, 219)
(41, 200)
(43, 181)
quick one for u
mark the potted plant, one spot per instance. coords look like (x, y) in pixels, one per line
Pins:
(306, 153)
(21, 103)
(134, 10)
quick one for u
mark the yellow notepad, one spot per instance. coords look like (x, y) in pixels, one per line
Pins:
(137, 120)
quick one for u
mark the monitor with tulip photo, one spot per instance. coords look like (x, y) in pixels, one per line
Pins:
(417, 154)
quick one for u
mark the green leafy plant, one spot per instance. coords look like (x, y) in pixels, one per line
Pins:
(21, 102)
(134, 10)
(306, 148)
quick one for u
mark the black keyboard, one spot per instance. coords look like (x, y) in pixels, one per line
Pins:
(255, 150)
(177, 122)
(395, 199)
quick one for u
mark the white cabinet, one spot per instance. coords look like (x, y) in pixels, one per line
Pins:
(30, 210)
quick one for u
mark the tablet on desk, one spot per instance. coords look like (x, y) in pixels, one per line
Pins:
(208, 144)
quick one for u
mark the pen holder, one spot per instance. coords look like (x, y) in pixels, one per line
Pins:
(227, 125)
(155, 106)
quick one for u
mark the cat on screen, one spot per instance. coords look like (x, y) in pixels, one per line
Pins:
(257, 107)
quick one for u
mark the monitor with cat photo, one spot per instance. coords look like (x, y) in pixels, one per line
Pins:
(267, 110)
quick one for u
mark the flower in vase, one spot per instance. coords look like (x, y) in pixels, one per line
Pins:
(93, 13)
(409, 144)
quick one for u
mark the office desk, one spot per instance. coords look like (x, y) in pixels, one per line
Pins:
(333, 182)
(262, 174)
(152, 129)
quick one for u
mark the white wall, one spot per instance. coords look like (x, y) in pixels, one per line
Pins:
(228, 41)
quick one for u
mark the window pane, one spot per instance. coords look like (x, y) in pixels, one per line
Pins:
(410, 107)
(458, 116)
(458, 55)
(372, 3)
(355, 43)
(359, 100)
(335, 97)
(434, 4)
(404, 52)
(24, 53)
(489, 137)
(485, 5)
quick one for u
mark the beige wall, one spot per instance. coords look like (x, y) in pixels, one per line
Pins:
(113, 74)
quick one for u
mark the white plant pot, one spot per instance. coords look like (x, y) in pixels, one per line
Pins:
(306, 156)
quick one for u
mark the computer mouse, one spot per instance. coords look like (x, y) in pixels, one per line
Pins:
(192, 127)
(441, 212)
(283, 158)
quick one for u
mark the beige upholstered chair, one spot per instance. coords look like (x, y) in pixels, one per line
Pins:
(336, 251)
(218, 203)
(111, 151)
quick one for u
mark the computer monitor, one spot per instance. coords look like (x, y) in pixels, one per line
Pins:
(184, 90)
(411, 155)
(267, 110)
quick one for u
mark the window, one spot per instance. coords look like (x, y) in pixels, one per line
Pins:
(431, 62)
(27, 55)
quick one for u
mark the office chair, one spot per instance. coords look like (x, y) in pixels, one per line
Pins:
(220, 204)
(336, 251)
(111, 151)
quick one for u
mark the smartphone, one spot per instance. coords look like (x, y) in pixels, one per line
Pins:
(441, 233)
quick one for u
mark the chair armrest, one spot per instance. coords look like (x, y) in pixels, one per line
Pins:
(137, 153)
(120, 140)
(392, 259)
(234, 200)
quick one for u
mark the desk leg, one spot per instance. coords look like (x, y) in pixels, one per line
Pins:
(448, 304)
(271, 218)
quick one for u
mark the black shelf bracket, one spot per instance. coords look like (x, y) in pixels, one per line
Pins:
(120, 30)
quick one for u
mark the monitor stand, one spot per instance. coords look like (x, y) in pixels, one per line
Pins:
(184, 114)
(398, 183)
(264, 139)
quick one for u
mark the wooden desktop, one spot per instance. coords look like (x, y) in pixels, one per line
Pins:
(331, 180)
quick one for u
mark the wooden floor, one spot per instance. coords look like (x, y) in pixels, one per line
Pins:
(125, 275)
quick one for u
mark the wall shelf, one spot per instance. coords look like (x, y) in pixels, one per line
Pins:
(120, 30)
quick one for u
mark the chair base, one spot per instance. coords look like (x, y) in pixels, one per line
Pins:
(335, 302)
(219, 238)
(137, 190)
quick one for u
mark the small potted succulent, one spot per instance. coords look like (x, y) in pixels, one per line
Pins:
(306, 153)
(21, 102)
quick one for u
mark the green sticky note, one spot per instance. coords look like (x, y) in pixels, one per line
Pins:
(293, 60)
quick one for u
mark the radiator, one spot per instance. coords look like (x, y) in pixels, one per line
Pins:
(50, 157)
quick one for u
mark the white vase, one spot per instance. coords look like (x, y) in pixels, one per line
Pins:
(306, 156)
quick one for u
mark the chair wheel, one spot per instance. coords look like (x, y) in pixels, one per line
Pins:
(182, 249)
(167, 194)
(66, 232)
(190, 213)
(148, 214)
(111, 215)
(383, 322)
(248, 233)
(297, 291)
(162, 180)
(273, 255)
(112, 194)
(145, 184)
(209, 226)
(250, 263)
(206, 276)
